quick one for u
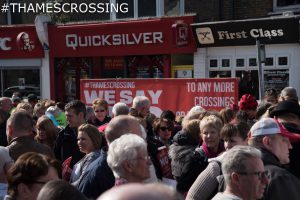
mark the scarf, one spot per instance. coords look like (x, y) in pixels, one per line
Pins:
(209, 153)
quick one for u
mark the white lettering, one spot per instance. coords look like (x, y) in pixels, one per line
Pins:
(155, 96)
(3, 44)
(74, 41)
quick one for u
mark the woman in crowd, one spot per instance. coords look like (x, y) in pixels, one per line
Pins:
(206, 184)
(29, 173)
(163, 130)
(184, 165)
(227, 115)
(89, 141)
(38, 110)
(46, 131)
(128, 158)
(100, 107)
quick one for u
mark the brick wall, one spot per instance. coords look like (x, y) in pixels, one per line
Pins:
(207, 10)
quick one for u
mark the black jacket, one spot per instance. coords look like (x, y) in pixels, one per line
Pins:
(66, 146)
(186, 162)
(282, 184)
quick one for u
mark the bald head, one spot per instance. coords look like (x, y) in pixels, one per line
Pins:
(121, 125)
(134, 191)
(288, 93)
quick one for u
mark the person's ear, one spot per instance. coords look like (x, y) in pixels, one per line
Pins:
(9, 132)
(234, 178)
(267, 141)
(127, 166)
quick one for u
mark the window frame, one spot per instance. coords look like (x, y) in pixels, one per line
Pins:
(295, 7)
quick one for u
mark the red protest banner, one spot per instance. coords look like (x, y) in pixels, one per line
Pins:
(178, 95)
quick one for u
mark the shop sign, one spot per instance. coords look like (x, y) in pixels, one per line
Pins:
(246, 32)
(178, 95)
(19, 42)
(277, 79)
(136, 37)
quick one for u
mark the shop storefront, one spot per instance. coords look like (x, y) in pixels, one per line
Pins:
(21, 57)
(228, 49)
(148, 48)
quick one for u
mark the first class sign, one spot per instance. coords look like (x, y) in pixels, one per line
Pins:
(245, 32)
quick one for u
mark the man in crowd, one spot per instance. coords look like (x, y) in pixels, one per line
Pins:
(288, 113)
(20, 134)
(66, 142)
(244, 174)
(273, 140)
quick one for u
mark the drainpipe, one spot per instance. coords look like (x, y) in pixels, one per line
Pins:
(220, 10)
(8, 14)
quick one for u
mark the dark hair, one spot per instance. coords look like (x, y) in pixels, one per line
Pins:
(239, 129)
(28, 168)
(77, 105)
(58, 190)
(227, 114)
(168, 114)
(157, 123)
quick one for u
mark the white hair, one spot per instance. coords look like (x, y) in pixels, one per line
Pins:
(120, 109)
(125, 148)
(140, 102)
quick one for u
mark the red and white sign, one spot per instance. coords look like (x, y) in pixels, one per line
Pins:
(135, 37)
(178, 95)
(19, 42)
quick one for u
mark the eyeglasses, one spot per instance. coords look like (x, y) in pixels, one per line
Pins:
(260, 175)
(165, 128)
(99, 111)
(143, 158)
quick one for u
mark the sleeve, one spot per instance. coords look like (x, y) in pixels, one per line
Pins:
(283, 186)
(206, 183)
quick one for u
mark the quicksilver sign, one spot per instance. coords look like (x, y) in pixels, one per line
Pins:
(74, 40)
(237, 33)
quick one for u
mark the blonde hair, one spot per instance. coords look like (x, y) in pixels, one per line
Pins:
(211, 121)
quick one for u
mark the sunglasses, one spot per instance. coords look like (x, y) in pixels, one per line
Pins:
(99, 111)
(260, 175)
(165, 128)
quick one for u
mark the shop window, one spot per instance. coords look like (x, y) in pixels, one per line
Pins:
(219, 74)
(281, 3)
(286, 4)
(282, 61)
(249, 83)
(24, 81)
(252, 62)
(153, 66)
(146, 8)
(269, 62)
(240, 62)
(213, 63)
(172, 7)
(130, 13)
(225, 63)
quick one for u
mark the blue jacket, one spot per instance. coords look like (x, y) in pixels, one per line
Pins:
(99, 179)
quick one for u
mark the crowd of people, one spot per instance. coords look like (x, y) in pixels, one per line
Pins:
(51, 150)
